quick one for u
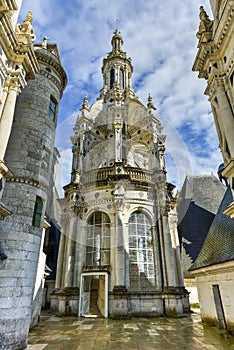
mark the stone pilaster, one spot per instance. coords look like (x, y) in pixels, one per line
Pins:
(7, 116)
(225, 116)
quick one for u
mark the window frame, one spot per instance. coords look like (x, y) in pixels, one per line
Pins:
(52, 109)
(98, 239)
(37, 213)
(141, 253)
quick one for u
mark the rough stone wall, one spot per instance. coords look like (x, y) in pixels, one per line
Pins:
(29, 155)
(224, 279)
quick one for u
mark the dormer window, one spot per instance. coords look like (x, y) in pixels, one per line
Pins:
(112, 78)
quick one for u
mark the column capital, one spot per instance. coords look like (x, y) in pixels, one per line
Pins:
(15, 86)
(219, 84)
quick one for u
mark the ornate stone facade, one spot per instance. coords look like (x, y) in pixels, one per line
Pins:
(215, 63)
(214, 266)
(119, 248)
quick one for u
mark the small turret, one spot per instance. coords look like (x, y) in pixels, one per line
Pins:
(117, 72)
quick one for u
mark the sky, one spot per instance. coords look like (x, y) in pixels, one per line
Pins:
(160, 38)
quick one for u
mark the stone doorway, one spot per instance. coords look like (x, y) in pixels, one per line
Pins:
(94, 294)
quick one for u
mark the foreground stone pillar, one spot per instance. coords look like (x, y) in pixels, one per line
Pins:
(119, 300)
(7, 118)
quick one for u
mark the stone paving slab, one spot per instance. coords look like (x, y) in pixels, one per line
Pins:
(36, 347)
(72, 333)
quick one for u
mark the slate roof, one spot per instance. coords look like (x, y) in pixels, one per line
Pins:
(200, 198)
(205, 190)
(219, 243)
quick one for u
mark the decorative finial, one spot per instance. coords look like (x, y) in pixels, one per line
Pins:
(150, 103)
(44, 42)
(85, 102)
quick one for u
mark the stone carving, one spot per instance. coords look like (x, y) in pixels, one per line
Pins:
(26, 27)
(205, 24)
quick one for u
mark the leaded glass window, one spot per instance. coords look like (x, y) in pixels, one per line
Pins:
(141, 258)
(112, 78)
(98, 240)
(121, 78)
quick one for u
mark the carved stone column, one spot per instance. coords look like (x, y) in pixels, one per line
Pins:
(119, 241)
(118, 141)
(7, 117)
(225, 115)
(169, 254)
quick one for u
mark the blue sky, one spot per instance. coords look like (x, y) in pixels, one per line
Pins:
(160, 37)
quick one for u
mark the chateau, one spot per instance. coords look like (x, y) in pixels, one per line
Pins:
(119, 253)
(119, 248)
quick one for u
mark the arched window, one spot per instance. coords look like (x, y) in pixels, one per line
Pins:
(141, 259)
(112, 78)
(121, 78)
(98, 240)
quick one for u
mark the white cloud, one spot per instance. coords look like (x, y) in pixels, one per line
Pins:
(160, 37)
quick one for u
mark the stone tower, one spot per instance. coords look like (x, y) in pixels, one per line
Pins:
(29, 156)
(215, 63)
(18, 64)
(119, 249)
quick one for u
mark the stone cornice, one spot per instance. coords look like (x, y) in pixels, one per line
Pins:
(222, 32)
(15, 51)
(215, 269)
(28, 181)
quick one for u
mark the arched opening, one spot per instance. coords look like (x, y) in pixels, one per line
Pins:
(141, 258)
(98, 240)
(112, 78)
(121, 78)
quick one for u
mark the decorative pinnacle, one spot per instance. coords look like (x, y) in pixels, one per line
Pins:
(150, 103)
(85, 102)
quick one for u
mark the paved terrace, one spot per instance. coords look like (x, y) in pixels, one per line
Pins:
(188, 333)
